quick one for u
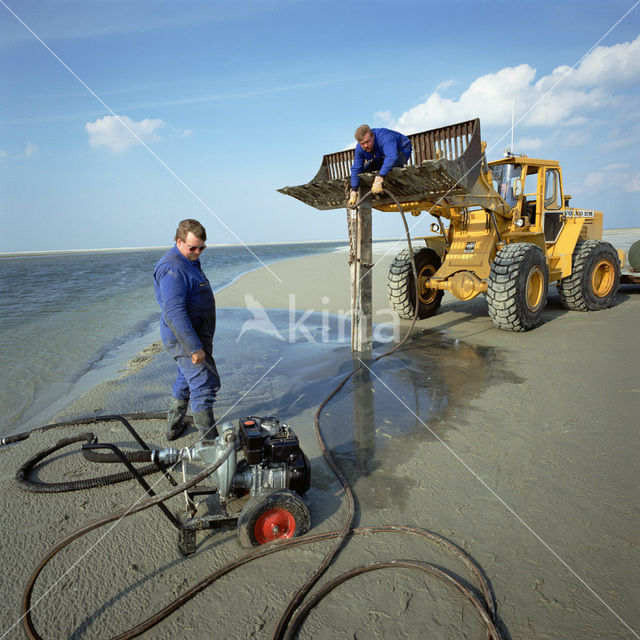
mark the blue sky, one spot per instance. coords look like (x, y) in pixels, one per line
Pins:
(235, 100)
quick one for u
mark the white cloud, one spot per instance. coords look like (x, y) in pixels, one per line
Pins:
(524, 144)
(383, 116)
(613, 177)
(617, 65)
(118, 133)
(445, 84)
(30, 149)
(633, 184)
(564, 97)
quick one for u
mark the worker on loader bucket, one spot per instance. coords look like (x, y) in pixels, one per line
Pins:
(187, 326)
(384, 149)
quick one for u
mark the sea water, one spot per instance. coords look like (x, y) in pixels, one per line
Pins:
(69, 320)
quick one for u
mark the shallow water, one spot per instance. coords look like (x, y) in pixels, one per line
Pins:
(69, 318)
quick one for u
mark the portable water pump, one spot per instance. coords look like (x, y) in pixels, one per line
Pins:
(261, 457)
(267, 463)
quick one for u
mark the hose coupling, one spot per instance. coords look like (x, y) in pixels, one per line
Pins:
(228, 433)
(166, 456)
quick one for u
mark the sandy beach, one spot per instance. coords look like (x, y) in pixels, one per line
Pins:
(521, 448)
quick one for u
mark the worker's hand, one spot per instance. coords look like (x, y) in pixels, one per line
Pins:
(353, 198)
(377, 189)
(197, 357)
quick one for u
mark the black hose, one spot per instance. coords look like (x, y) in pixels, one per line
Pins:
(75, 422)
(23, 473)
(427, 567)
(132, 456)
(11, 439)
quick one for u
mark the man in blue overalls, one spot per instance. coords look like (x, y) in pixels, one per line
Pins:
(187, 326)
(382, 149)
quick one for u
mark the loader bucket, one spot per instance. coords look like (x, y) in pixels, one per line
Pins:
(444, 162)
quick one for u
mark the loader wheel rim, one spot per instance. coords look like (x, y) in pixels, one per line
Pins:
(426, 294)
(274, 524)
(535, 288)
(602, 278)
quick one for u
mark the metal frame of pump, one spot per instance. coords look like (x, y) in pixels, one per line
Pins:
(272, 460)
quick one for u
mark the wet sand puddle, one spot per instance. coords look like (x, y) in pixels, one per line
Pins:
(391, 408)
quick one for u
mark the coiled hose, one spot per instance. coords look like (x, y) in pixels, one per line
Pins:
(289, 623)
(23, 473)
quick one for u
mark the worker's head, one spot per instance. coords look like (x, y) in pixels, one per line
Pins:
(365, 137)
(190, 238)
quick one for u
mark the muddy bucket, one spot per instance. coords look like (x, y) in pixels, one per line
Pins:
(445, 161)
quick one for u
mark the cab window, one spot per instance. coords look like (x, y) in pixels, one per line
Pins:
(504, 177)
(552, 191)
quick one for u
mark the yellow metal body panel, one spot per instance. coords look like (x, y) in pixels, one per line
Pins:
(473, 246)
(560, 252)
(578, 224)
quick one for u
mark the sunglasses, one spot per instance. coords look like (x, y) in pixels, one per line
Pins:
(198, 247)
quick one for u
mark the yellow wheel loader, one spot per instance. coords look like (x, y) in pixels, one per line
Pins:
(510, 232)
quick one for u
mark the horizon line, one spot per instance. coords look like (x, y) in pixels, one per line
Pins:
(17, 254)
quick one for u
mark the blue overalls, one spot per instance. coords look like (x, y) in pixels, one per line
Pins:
(187, 325)
(390, 149)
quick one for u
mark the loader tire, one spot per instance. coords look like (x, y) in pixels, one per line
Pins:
(594, 279)
(517, 287)
(401, 290)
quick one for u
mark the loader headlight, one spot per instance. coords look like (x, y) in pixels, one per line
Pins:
(435, 227)
(519, 222)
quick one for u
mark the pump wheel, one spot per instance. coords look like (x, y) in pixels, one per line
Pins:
(401, 290)
(275, 514)
(595, 277)
(517, 287)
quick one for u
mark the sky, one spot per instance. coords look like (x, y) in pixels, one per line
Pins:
(232, 100)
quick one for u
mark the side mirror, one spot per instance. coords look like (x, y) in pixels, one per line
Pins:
(517, 187)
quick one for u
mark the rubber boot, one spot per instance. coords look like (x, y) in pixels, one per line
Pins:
(176, 424)
(206, 424)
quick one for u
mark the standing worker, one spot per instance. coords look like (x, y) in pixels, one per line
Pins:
(187, 326)
(384, 149)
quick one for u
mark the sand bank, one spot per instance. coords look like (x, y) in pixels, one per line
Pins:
(521, 448)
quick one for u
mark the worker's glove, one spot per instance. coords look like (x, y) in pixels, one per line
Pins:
(377, 185)
(353, 198)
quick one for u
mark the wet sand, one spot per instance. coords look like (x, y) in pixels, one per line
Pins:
(520, 448)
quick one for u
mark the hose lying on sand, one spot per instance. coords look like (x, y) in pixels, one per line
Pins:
(23, 474)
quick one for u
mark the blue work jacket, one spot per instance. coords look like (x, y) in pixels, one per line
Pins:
(188, 306)
(386, 145)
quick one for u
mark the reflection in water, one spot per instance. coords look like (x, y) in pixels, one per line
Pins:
(363, 420)
(427, 382)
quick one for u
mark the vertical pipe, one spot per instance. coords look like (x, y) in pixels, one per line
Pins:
(361, 280)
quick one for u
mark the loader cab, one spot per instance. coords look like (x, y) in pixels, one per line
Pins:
(534, 189)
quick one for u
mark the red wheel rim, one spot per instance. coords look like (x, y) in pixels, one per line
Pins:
(274, 524)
